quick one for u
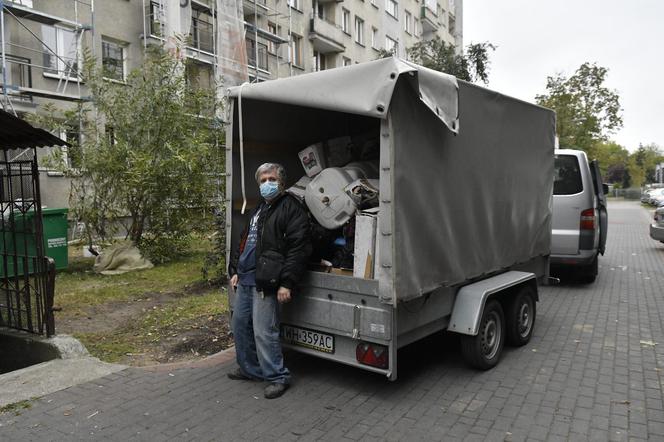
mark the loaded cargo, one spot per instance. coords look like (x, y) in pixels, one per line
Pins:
(431, 197)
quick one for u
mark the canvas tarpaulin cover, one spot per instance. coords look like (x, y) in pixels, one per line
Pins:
(471, 169)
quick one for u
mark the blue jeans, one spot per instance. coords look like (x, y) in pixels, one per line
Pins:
(256, 332)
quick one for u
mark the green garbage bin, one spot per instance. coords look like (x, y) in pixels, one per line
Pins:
(22, 241)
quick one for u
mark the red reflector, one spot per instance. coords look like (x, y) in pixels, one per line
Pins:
(588, 219)
(372, 354)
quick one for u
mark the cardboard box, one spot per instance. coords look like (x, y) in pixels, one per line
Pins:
(365, 245)
(312, 159)
(339, 271)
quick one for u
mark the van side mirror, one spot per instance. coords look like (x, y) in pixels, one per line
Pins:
(605, 188)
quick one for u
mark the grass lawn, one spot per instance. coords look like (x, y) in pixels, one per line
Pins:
(167, 313)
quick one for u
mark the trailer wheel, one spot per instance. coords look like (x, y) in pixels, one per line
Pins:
(520, 317)
(483, 351)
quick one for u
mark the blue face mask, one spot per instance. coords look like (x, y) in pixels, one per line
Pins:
(269, 189)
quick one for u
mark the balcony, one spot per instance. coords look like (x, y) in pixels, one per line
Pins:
(326, 37)
(257, 7)
(429, 20)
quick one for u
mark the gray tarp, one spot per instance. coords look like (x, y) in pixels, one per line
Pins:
(362, 89)
(463, 205)
(474, 203)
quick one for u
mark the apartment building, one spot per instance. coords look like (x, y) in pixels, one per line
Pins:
(305, 36)
(43, 42)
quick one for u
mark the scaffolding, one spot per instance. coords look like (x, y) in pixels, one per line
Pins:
(34, 41)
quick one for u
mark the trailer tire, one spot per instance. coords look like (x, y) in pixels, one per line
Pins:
(483, 351)
(520, 317)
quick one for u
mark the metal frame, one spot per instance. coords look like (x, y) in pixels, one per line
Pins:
(27, 276)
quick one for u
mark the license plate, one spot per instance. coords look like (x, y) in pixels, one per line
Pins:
(307, 338)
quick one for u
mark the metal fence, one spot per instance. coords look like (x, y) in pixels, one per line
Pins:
(27, 277)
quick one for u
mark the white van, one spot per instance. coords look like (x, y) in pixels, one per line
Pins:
(579, 224)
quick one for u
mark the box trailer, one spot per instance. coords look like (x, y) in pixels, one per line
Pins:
(461, 233)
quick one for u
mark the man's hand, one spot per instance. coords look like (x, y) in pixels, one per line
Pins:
(283, 295)
(233, 281)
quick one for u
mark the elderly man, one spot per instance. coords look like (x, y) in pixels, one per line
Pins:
(270, 260)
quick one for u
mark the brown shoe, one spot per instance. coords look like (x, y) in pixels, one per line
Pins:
(274, 390)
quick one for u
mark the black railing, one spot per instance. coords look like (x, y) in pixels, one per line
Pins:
(27, 277)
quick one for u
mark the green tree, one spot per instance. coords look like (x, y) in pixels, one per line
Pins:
(149, 155)
(611, 156)
(642, 164)
(586, 110)
(473, 65)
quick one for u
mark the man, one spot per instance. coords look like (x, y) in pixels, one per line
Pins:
(271, 258)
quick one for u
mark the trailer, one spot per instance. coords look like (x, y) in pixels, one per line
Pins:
(463, 220)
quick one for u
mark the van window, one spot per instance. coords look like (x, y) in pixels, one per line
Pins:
(567, 175)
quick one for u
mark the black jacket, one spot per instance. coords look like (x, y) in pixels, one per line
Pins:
(283, 247)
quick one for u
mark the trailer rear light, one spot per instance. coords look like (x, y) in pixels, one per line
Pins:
(372, 354)
(588, 219)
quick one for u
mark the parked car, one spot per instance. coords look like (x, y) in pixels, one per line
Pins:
(657, 228)
(656, 197)
(645, 196)
(580, 219)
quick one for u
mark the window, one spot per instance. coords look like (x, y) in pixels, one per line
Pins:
(202, 30)
(272, 46)
(359, 30)
(295, 4)
(113, 59)
(374, 38)
(345, 21)
(416, 28)
(391, 45)
(319, 61)
(295, 54)
(392, 8)
(257, 54)
(346, 61)
(72, 153)
(566, 175)
(408, 22)
(63, 42)
(452, 26)
(157, 18)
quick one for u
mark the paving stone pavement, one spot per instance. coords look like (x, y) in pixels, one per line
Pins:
(591, 372)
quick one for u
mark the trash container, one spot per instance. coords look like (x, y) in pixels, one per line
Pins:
(21, 241)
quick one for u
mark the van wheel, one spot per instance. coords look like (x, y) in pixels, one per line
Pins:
(520, 317)
(483, 351)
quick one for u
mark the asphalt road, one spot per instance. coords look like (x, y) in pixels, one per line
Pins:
(593, 371)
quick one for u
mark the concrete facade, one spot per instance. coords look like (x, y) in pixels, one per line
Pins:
(45, 41)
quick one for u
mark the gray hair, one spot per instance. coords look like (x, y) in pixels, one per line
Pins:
(268, 167)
